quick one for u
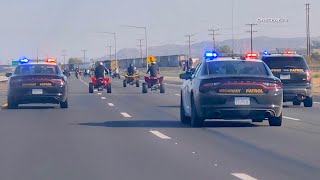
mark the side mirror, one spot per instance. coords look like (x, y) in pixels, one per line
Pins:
(8, 74)
(185, 76)
(191, 71)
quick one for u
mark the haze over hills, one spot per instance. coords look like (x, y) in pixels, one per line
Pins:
(240, 46)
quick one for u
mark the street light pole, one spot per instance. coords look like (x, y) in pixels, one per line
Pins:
(84, 55)
(145, 34)
(140, 45)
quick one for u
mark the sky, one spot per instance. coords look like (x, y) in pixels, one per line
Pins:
(52, 26)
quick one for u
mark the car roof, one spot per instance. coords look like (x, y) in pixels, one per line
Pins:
(282, 55)
(237, 60)
(25, 64)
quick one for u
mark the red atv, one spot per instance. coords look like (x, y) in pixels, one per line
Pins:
(100, 84)
(153, 83)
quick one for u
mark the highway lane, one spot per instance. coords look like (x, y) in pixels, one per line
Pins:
(132, 135)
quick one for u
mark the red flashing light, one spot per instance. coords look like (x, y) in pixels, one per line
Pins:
(289, 52)
(51, 60)
(252, 55)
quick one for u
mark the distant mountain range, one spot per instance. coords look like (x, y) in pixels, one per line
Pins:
(240, 46)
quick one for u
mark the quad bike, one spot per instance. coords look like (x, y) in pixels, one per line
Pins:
(100, 84)
(131, 80)
(153, 83)
(115, 75)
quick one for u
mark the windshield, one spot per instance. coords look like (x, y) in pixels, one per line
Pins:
(285, 62)
(36, 69)
(242, 68)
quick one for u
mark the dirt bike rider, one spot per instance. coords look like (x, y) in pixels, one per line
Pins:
(130, 70)
(100, 71)
(77, 71)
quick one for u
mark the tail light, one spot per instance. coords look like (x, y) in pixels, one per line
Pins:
(208, 86)
(272, 85)
(59, 82)
(308, 72)
(14, 82)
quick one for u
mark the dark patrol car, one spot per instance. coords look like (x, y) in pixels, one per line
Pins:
(37, 83)
(231, 89)
(293, 71)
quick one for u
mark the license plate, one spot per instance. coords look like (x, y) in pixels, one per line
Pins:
(37, 91)
(242, 101)
(285, 77)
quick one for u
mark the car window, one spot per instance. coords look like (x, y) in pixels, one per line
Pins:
(285, 62)
(32, 69)
(198, 70)
(236, 68)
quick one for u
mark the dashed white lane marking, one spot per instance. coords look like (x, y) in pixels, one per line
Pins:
(110, 104)
(177, 94)
(99, 93)
(103, 98)
(83, 82)
(160, 135)
(243, 176)
(124, 114)
(290, 118)
(316, 102)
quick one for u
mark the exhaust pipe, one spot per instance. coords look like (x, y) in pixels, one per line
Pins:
(268, 114)
(300, 97)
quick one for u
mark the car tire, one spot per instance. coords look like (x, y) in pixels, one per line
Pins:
(109, 87)
(308, 102)
(183, 118)
(296, 103)
(64, 105)
(275, 121)
(12, 104)
(137, 83)
(144, 88)
(196, 121)
(124, 83)
(91, 88)
(162, 88)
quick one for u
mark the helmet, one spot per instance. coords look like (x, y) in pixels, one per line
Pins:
(130, 65)
(153, 62)
(100, 63)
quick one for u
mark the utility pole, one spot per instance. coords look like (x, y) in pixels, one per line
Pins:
(64, 56)
(189, 43)
(308, 30)
(84, 55)
(37, 55)
(232, 21)
(140, 45)
(251, 31)
(213, 34)
(110, 52)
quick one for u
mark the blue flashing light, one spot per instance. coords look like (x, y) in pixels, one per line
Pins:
(24, 60)
(265, 52)
(211, 55)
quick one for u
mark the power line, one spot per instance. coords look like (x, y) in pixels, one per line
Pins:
(251, 31)
(213, 34)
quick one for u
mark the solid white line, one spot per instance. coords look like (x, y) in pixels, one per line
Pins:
(316, 102)
(290, 118)
(103, 98)
(177, 94)
(110, 104)
(160, 135)
(243, 176)
(125, 115)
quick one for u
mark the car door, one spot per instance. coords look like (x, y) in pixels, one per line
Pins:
(188, 90)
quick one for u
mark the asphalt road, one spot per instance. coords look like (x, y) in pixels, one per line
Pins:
(130, 135)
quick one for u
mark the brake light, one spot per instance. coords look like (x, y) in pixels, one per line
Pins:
(308, 72)
(58, 81)
(272, 85)
(207, 86)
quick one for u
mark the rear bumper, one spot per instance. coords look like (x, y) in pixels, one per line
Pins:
(296, 93)
(220, 106)
(53, 95)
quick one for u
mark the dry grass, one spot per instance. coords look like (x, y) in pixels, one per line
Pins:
(316, 83)
(3, 86)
